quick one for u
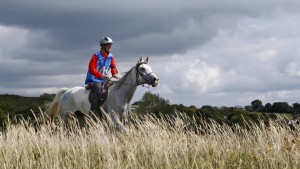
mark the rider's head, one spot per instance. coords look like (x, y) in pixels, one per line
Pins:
(106, 43)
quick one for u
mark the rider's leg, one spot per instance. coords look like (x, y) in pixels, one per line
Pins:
(95, 99)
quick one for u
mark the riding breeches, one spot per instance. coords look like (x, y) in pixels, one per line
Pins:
(97, 97)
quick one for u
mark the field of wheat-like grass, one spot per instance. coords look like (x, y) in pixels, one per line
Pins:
(150, 143)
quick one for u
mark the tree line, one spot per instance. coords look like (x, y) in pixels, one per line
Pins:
(276, 107)
(154, 103)
(151, 103)
(254, 113)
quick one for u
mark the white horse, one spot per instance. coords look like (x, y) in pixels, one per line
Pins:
(74, 101)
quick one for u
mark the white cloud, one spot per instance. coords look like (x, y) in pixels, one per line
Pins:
(293, 69)
(202, 76)
(267, 55)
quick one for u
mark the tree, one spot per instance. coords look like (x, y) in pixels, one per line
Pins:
(281, 107)
(257, 105)
(249, 108)
(47, 96)
(191, 110)
(209, 113)
(268, 107)
(153, 103)
(296, 107)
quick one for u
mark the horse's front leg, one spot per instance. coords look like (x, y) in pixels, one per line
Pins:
(117, 121)
(124, 121)
(125, 115)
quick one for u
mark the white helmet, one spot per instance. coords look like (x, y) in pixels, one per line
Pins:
(106, 40)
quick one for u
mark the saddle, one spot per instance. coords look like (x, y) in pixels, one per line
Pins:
(98, 100)
(106, 85)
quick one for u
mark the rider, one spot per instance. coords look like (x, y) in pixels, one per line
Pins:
(97, 74)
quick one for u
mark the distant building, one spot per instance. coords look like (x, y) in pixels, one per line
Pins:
(238, 107)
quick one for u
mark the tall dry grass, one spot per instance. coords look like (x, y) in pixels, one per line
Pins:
(150, 143)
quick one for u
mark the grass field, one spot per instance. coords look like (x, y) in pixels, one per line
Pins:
(150, 143)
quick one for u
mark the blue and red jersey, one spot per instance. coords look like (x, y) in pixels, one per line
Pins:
(100, 64)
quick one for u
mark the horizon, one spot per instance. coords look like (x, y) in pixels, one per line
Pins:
(132, 102)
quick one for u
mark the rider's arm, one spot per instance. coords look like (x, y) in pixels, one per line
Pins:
(93, 67)
(113, 67)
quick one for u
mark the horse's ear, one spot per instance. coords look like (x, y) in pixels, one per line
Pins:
(147, 59)
(141, 59)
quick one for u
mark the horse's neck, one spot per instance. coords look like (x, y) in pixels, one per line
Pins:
(128, 87)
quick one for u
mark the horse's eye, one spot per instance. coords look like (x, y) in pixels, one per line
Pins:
(143, 69)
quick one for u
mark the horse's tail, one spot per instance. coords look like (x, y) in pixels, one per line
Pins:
(53, 108)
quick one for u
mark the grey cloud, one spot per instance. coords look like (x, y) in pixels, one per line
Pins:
(59, 38)
(76, 25)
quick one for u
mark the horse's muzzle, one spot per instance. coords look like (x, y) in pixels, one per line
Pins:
(154, 82)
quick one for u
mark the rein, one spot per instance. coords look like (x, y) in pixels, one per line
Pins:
(138, 72)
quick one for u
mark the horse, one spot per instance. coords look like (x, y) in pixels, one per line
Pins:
(75, 101)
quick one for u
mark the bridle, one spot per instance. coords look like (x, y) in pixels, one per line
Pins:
(146, 77)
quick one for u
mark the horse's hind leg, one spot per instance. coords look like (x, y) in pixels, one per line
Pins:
(81, 118)
(70, 121)
(67, 117)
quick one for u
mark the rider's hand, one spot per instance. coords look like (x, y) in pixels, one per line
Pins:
(104, 77)
(115, 76)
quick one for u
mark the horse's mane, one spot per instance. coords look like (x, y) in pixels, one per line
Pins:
(117, 84)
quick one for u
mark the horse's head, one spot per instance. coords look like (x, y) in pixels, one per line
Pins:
(145, 74)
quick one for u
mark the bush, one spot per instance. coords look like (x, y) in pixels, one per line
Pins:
(3, 119)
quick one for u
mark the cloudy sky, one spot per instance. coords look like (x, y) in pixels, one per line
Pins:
(205, 52)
